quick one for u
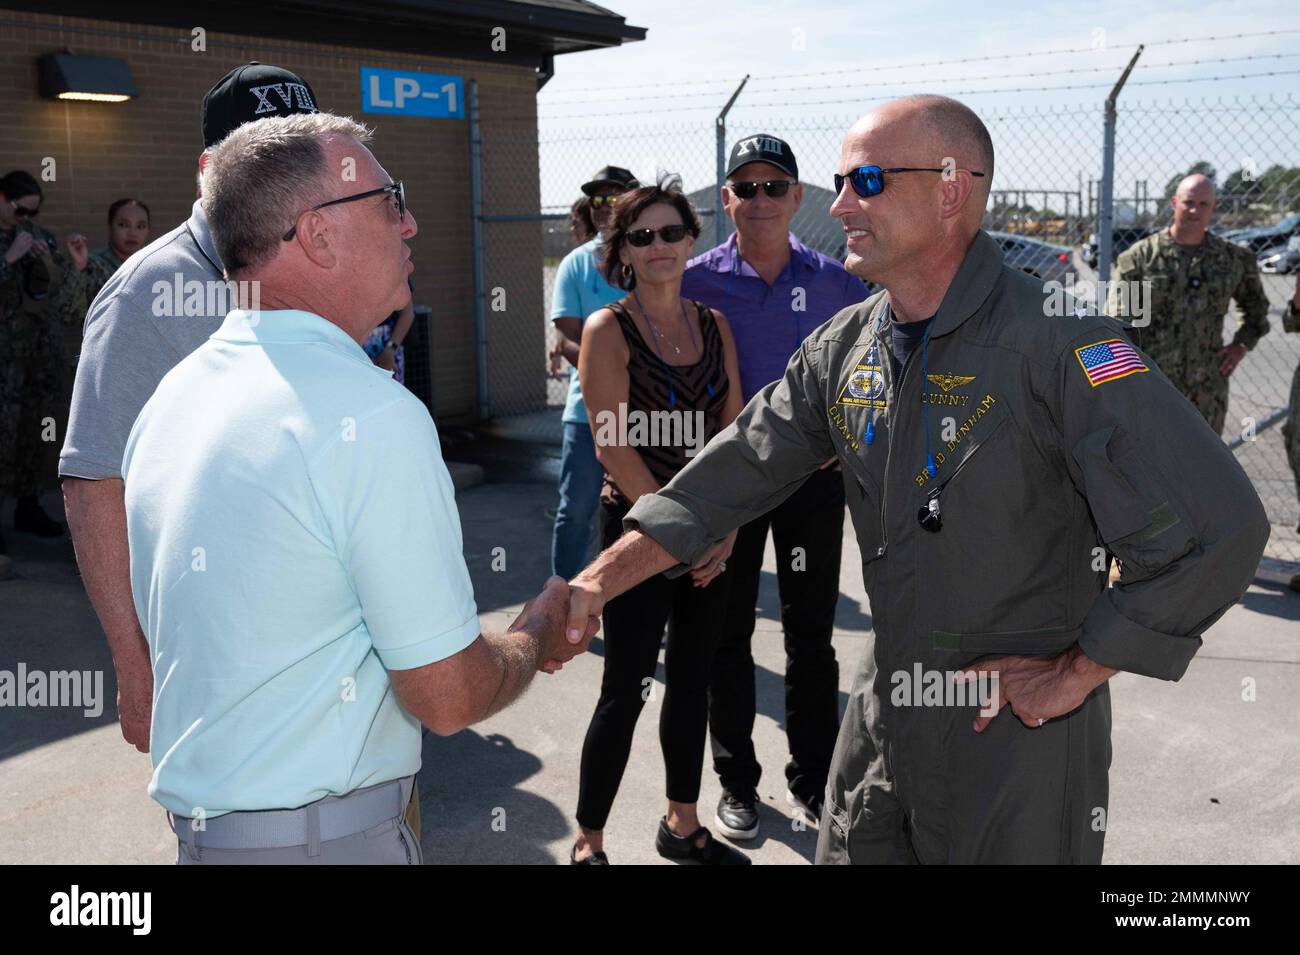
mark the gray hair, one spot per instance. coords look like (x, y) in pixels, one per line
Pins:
(265, 174)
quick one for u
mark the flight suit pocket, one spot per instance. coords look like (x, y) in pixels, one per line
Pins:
(1137, 520)
(967, 646)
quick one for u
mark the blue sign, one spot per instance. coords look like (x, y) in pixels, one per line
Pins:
(407, 93)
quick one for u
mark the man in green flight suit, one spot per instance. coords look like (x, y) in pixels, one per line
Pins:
(993, 462)
(1191, 275)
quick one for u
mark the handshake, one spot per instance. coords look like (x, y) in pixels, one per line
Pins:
(563, 618)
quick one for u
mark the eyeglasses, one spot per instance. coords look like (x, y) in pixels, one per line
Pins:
(394, 188)
(868, 181)
(775, 188)
(22, 212)
(598, 201)
(643, 237)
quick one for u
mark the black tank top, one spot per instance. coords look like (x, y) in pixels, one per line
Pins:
(683, 389)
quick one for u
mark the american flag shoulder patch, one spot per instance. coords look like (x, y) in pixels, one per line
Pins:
(1108, 360)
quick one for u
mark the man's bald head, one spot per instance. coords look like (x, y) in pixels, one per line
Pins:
(1194, 202)
(897, 231)
(939, 127)
(1196, 183)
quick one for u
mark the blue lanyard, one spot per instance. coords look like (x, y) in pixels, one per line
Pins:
(870, 434)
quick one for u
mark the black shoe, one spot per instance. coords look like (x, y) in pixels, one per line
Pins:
(809, 807)
(683, 848)
(30, 519)
(596, 858)
(737, 816)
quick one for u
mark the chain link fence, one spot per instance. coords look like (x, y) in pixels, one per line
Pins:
(1044, 209)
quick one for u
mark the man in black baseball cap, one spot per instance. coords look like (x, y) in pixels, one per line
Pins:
(252, 91)
(610, 176)
(763, 147)
(133, 336)
(580, 290)
(775, 291)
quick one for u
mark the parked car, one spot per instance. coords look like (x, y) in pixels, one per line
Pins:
(1043, 260)
(1282, 260)
(1269, 236)
(1121, 239)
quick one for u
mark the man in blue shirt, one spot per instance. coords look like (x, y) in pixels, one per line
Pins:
(580, 290)
(776, 291)
(296, 556)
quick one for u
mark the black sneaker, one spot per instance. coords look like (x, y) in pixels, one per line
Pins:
(737, 816)
(809, 807)
(30, 519)
(683, 848)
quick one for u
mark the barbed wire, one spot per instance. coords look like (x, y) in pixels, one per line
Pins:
(975, 79)
(971, 92)
(731, 81)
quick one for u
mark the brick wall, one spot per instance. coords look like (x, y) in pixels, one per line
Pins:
(149, 147)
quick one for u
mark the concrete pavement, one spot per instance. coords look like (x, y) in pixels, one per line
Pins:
(1204, 770)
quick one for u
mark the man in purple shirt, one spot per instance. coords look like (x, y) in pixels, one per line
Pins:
(775, 291)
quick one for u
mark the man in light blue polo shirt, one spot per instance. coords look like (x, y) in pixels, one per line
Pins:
(580, 290)
(296, 558)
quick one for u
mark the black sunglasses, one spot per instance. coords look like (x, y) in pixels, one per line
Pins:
(394, 188)
(775, 188)
(22, 212)
(868, 181)
(643, 237)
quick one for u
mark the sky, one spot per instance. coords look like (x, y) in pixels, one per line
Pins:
(817, 64)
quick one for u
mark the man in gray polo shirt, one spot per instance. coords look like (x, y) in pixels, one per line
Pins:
(154, 311)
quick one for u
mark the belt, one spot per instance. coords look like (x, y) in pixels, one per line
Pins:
(330, 818)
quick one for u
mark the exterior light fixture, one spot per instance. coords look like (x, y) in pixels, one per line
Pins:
(96, 79)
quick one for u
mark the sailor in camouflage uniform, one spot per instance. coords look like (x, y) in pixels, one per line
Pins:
(1192, 276)
(32, 273)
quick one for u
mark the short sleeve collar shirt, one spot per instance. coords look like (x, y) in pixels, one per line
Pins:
(293, 536)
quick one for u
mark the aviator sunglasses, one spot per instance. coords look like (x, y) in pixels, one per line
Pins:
(643, 237)
(775, 188)
(868, 181)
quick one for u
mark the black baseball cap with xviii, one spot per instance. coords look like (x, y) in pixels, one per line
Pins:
(253, 91)
(763, 147)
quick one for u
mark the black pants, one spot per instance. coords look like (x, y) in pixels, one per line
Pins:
(634, 627)
(811, 519)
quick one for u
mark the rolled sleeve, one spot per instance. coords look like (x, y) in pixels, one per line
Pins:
(1113, 640)
(1169, 500)
(391, 508)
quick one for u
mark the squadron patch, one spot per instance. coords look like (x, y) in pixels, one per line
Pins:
(1107, 360)
(866, 385)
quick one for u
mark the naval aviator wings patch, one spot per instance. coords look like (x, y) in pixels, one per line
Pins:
(1107, 360)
